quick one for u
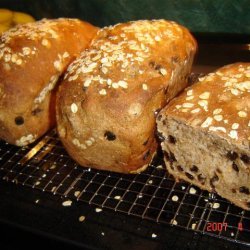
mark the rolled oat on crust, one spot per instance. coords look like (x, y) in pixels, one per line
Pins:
(107, 103)
(205, 134)
(32, 58)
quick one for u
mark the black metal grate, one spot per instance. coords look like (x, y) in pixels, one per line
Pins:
(152, 195)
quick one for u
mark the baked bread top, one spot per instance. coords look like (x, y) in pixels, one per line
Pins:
(218, 103)
(30, 51)
(32, 58)
(125, 54)
(110, 95)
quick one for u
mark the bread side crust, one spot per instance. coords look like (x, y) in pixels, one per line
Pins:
(32, 58)
(107, 118)
(215, 115)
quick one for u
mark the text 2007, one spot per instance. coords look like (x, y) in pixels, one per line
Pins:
(216, 226)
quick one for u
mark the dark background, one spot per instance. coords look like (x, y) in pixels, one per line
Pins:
(200, 16)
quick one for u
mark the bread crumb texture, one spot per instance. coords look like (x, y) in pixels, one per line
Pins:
(206, 142)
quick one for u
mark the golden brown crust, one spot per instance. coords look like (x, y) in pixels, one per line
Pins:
(219, 103)
(106, 119)
(32, 58)
(205, 134)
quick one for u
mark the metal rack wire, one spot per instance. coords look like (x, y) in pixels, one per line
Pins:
(151, 195)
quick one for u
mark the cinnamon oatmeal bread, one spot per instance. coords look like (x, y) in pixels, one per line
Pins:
(108, 100)
(205, 134)
(32, 58)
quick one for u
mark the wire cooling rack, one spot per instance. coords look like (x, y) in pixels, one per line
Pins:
(151, 195)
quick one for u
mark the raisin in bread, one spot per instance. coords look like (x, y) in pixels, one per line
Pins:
(205, 134)
(107, 102)
(33, 56)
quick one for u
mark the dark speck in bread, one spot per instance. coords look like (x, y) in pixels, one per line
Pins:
(214, 179)
(218, 170)
(19, 120)
(194, 168)
(189, 176)
(166, 155)
(110, 136)
(235, 167)
(180, 168)
(244, 190)
(193, 77)
(159, 117)
(245, 159)
(36, 111)
(172, 157)
(231, 155)
(171, 139)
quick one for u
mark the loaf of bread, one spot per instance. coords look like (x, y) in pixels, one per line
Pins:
(32, 58)
(108, 100)
(205, 134)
